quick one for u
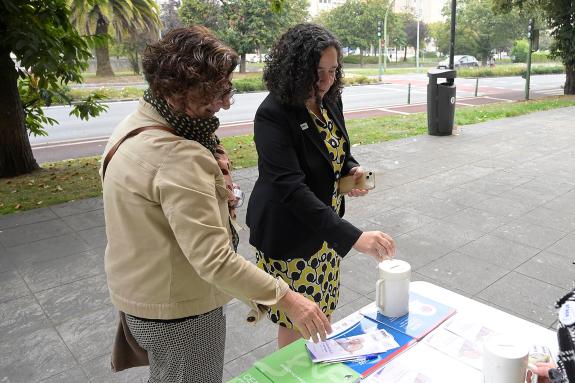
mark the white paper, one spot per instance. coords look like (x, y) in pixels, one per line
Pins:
(352, 347)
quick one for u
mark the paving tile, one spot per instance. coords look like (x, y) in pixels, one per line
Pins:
(564, 203)
(26, 218)
(499, 251)
(34, 356)
(47, 249)
(437, 208)
(359, 273)
(87, 220)
(74, 375)
(458, 270)
(565, 246)
(33, 232)
(95, 237)
(12, 286)
(399, 221)
(98, 370)
(241, 335)
(246, 361)
(44, 275)
(77, 207)
(552, 219)
(486, 186)
(20, 316)
(75, 299)
(476, 219)
(503, 207)
(347, 295)
(461, 196)
(525, 296)
(419, 250)
(551, 268)
(529, 234)
(445, 234)
(91, 335)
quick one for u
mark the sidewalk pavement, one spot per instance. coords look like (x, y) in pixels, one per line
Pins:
(489, 213)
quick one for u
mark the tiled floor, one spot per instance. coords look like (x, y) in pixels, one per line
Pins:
(489, 213)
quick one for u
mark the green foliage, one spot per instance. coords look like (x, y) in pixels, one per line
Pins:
(356, 59)
(508, 71)
(53, 54)
(520, 51)
(249, 83)
(245, 25)
(132, 19)
(558, 15)
(478, 30)
(355, 23)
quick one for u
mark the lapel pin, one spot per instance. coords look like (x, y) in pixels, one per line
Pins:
(303, 126)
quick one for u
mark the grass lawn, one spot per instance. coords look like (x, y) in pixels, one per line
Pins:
(76, 179)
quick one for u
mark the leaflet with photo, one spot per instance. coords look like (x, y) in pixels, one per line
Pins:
(354, 347)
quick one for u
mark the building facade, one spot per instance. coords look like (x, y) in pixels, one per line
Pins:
(429, 10)
(318, 6)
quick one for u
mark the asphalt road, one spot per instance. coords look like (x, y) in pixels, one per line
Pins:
(74, 138)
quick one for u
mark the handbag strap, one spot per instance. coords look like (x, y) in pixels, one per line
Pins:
(132, 133)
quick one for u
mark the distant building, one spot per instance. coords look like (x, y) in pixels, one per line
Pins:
(430, 9)
(318, 6)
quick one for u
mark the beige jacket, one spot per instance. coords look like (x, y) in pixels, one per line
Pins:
(169, 253)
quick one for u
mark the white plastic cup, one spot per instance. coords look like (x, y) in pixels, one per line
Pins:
(504, 360)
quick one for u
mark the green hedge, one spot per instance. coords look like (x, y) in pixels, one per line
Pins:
(504, 70)
(249, 84)
(356, 59)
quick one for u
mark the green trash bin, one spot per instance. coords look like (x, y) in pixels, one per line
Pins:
(440, 102)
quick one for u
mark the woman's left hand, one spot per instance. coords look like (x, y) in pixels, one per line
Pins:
(357, 173)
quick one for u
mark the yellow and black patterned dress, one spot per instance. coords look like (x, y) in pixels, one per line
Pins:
(316, 277)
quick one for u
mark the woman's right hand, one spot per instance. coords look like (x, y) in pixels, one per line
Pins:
(306, 316)
(377, 244)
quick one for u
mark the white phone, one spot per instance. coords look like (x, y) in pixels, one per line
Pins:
(347, 183)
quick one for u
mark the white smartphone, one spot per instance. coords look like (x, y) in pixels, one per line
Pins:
(366, 181)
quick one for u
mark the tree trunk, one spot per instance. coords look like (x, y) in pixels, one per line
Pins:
(405, 53)
(243, 63)
(15, 152)
(103, 66)
(569, 79)
(360, 58)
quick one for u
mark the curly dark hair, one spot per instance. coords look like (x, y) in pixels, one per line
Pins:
(291, 67)
(187, 60)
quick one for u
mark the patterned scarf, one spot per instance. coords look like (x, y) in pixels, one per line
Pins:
(201, 130)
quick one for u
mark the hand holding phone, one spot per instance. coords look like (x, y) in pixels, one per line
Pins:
(366, 182)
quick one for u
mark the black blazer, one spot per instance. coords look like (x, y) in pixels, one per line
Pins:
(289, 211)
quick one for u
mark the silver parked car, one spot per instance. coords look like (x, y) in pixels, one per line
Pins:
(459, 61)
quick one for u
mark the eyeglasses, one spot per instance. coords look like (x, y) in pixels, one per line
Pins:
(228, 95)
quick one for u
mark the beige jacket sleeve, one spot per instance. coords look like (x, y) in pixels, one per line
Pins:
(187, 183)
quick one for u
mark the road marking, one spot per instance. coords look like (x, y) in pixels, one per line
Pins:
(497, 98)
(393, 111)
(463, 103)
(62, 144)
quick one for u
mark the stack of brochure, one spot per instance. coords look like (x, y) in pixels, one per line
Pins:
(358, 347)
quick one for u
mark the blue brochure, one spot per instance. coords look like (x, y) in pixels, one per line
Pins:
(424, 315)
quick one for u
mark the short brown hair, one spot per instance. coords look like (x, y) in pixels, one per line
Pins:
(186, 60)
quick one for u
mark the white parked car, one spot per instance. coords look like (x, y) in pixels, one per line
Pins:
(459, 61)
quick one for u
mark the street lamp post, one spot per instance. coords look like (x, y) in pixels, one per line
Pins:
(418, 15)
(385, 42)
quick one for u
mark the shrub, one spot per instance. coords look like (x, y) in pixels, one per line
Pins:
(249, 84)
(519, 51)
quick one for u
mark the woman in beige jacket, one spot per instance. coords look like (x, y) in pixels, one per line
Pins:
(171, 260)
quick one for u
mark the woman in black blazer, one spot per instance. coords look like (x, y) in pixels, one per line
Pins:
(295, 211)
